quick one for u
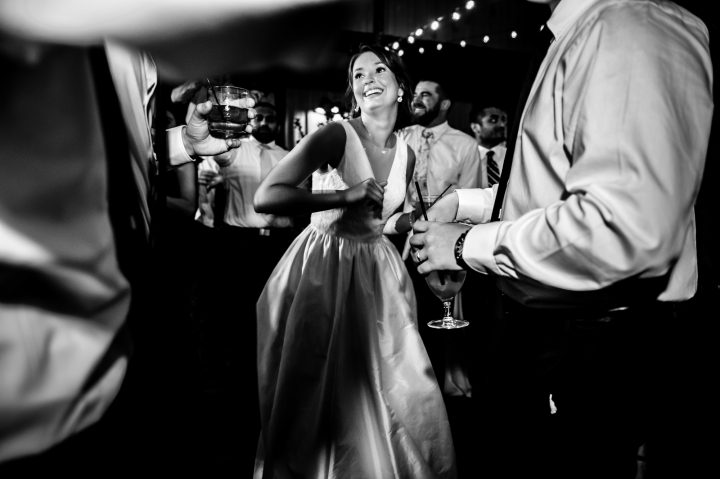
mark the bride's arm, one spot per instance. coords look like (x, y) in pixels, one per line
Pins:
(401, 221)
(280, 193)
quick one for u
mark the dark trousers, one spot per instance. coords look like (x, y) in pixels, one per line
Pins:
(569, 393)
(244, 259)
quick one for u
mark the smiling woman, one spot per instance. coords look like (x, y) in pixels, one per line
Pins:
(346, 387)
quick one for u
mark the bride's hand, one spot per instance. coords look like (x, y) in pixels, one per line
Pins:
(370, 192)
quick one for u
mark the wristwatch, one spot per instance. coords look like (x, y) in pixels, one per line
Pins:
(459, 244)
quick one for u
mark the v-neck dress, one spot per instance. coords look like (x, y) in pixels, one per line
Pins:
(346, 387)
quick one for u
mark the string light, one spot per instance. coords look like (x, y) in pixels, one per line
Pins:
(434, 25)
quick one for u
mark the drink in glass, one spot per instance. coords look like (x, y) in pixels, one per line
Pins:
(227, 118)
(446, 285)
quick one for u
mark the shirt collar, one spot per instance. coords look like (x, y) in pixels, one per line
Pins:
(483, 150)
(437, 130)
(270, 146)
(566, 13)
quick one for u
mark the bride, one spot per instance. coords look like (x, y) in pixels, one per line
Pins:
(346, 387)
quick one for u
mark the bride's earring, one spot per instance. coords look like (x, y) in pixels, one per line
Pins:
(400, 96)
(357, 109)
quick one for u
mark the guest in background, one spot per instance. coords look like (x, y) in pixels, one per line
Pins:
(489, 124)
(252, 243)
(446, 157)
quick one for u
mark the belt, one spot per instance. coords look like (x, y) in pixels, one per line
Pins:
(265, 232)
(589, 316)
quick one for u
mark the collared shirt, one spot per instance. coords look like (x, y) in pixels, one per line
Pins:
(453, 158)
(242, 178)
(611, 150)
(500, 149)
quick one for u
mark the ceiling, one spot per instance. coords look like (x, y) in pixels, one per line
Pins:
(480, 72)
(392, 19)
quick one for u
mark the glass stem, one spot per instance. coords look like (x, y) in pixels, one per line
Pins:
(448, 307)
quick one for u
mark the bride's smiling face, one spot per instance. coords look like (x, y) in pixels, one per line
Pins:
(374, 84)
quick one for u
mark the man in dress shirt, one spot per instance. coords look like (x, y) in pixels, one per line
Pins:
(242, 171)
(252, 244)
(446, 157)
(489, 124)
(594, 247)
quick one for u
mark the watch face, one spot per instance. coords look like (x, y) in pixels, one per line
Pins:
(459, 250)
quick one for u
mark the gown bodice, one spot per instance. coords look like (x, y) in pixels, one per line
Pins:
(357, 221)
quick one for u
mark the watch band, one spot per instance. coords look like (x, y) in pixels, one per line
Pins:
(459, 244)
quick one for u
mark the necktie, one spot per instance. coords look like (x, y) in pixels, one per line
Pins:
(545, 38)
(493, 172)
(265, 160)
(421, 165)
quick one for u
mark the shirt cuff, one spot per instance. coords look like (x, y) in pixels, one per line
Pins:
(479, 247)
(475, 204)
(177, 154)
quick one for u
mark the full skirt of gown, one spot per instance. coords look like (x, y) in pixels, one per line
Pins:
(346, 387)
